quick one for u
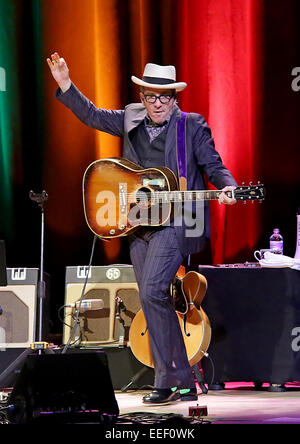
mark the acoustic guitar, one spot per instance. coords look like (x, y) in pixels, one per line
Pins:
(188, 294)
(120, 196)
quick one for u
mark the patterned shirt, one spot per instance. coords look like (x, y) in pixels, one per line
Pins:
(154, 129)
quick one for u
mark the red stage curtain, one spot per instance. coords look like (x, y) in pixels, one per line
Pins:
(221, 58)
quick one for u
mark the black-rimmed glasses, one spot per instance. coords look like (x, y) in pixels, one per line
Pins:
(164, 98)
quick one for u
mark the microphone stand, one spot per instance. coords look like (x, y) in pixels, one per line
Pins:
(40, 199)
(120, 307)
(6, 375)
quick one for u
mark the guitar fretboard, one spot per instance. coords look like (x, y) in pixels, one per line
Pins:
(187, 196)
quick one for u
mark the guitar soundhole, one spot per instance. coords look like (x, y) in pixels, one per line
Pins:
(143, 197)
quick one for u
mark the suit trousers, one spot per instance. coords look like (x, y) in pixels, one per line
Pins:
(156, 257)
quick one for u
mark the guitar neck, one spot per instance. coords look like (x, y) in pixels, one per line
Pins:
(188, 196)
(244, 193)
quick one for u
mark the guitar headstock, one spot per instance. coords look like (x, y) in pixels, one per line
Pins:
(250, 192)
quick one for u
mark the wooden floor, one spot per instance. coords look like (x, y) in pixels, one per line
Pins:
(239, 403)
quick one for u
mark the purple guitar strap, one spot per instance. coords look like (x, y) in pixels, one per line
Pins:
(181, 151)
(181, 163)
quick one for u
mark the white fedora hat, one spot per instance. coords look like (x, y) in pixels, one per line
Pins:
(159, 77)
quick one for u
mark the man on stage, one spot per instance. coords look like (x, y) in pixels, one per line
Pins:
(150, 139)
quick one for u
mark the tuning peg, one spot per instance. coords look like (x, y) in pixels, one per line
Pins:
(243, 183)
(258, 182)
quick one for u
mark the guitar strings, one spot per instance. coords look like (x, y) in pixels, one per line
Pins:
(179, 196)
(174, 196)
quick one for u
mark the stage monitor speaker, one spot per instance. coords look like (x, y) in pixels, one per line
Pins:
(64, 388)
(124, 368)
(109, 283)
(18, 301)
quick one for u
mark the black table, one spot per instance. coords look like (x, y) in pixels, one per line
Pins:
(255, 319)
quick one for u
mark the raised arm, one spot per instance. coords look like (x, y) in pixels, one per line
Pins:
(109, 121)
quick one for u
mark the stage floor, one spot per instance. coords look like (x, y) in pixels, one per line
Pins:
(238, 403)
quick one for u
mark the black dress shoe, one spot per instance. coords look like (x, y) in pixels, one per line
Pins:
(190, 395)
(160, 396)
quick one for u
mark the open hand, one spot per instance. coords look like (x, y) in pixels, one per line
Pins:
(60, 71)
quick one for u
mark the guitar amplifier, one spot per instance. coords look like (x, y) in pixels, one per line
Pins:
(18, 302)
(110, 284)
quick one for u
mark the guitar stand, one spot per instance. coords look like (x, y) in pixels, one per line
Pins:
(120, 307)
(198, 375)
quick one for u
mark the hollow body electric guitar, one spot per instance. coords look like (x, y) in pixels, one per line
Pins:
(120, 196)
(188, 293)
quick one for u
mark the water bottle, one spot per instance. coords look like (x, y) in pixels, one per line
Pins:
(276, 241)
(297, 253)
